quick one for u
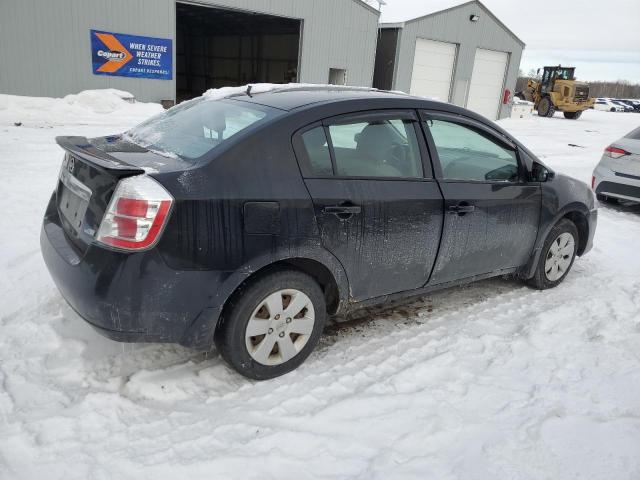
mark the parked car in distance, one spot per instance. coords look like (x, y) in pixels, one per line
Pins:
(607, 105)
(245, 221)
(617, 176)
(634, 104)
(624, 105)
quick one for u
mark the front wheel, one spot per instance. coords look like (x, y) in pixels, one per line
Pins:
(558, 254)
(271, 324)
(573, 115)
(546, 108)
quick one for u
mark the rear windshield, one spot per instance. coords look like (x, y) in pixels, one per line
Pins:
(196, 127)
(633, 134)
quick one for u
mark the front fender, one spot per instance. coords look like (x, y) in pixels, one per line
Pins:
(548, 222)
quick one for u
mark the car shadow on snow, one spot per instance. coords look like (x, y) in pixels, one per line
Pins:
(626, 206)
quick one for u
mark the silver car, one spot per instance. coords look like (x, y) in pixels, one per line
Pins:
(617, 176)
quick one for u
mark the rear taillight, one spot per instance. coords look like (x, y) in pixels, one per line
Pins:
(137, 213)
(615, 152)
(593, 182)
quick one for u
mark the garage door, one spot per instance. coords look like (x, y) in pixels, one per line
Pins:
(487, 80)
(432, 69)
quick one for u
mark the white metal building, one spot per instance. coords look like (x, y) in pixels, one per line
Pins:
(463, 55)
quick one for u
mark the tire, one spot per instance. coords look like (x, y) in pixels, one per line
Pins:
(561, 262)
(269, 354)
(546, 108)
(612, 109)
(573, 115)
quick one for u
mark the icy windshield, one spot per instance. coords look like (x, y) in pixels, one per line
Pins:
(194, 128)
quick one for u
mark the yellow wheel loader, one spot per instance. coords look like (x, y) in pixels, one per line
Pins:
(558, 90)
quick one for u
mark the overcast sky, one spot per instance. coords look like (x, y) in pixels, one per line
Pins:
(599, 37)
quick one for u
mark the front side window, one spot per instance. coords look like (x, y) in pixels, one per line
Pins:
(467, 154)
(195, 127)
(376, 148)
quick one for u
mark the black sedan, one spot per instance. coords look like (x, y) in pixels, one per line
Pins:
(245, 221)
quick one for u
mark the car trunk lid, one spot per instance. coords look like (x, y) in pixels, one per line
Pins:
(89, 175)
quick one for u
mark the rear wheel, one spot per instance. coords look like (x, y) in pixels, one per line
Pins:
(546, 107)
(271, 324)
(572, 115)
(558, 254)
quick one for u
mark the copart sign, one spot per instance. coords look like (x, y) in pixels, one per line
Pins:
(131, 55)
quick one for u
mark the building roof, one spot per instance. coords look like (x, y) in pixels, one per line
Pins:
(399, 20)
(367, 5)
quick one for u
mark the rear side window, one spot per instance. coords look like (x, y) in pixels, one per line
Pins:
(377, 148)
(194, 128)
(317, 148)
(468, 154)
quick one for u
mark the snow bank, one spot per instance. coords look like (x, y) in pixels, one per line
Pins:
(86, 107)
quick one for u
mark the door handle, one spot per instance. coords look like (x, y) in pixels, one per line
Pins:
(342, 211)
(461, 208)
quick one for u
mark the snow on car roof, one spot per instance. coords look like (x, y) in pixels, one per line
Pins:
(293, 95)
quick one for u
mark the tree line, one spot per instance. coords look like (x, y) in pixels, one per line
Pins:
(618, 89)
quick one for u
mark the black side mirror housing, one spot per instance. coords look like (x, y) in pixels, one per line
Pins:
(540, 173)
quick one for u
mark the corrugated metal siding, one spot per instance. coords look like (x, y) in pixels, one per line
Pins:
(45, 49)
(335, 34)
(454, 26)
(45, 45)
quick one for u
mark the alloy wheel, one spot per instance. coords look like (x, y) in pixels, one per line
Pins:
(280, 327)
(559, 256)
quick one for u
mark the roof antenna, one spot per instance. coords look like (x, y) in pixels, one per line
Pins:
(248, 92)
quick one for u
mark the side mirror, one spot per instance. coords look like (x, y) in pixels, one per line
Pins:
(540, 173)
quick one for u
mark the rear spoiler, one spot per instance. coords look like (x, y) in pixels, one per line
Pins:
(81, 148)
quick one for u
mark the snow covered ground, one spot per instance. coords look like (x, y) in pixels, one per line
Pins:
(489, 381)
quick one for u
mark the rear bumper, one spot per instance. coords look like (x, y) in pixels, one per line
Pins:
(130, 297)
(610, 184)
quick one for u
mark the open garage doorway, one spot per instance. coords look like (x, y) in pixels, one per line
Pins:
(218, 47)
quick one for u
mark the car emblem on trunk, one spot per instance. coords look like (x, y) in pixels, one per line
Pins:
(71, 164)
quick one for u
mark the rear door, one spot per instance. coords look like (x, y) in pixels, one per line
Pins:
(491, 211)
(378, 207)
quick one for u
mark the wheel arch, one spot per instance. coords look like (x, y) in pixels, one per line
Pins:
(312, 267)
(323, 267)
(576, 213)
(579, 219)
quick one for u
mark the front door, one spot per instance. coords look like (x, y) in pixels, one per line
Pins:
(379, 210)
(491, 211)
